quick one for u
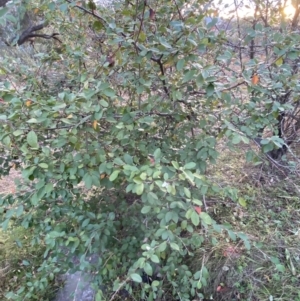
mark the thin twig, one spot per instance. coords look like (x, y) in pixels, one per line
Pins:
(119, 288)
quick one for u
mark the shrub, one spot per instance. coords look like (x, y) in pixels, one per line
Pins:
(130, 101)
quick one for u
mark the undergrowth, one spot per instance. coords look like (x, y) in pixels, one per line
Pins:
(267, 211)
(264, 207)
(20, 262)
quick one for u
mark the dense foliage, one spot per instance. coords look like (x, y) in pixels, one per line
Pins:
(115, 115)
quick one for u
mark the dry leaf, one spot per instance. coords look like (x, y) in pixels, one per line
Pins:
(255, 79)
(111, 60)
(223, 289)
(198, 209)
(232, 252)
(151, 14)
(95, 124)
(152, 160)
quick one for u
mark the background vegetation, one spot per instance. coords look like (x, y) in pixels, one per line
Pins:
(158, 136)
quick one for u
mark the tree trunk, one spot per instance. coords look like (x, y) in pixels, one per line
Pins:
(3, 2)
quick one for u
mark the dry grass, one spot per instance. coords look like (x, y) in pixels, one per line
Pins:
(270, 270)
(7, 184)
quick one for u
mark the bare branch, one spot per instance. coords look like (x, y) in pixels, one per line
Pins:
(26, 34)
(90, 12)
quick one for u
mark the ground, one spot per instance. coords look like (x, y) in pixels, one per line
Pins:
(267, 210)
(7, 184)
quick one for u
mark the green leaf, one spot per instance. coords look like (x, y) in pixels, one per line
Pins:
(280, 268)
(206, 218)
(114, 175)
(48, 188)
(136, 278)
(85, 223)
(210, 89)
(178, 95)
(19, 211)
(268, 147)
(190, 165)
(279, 61)
(187, 192)
(245, 139)
(245, 240)
(43, 165)
(128, 159)
(231, 235)
(109, 92)
(175, 164)
(66, 121)
(143, 176)
(142, 36)
(162, 247)
(118, 161)
(51, 6)
(3, 11)
(32, 120)
(6, 141)
(18, 133)
(152, 198)
(168, 216)
(103, 103)
(197, 202)
(174, 246)
(236, 139)
(155, 283)
(242, 202)
(11, 296)
(5, 224)
(212, 23)
(195, 218)
(32, 139)
(188, 76)
(146, 209)
(139, 188)
(97, 25)
(99, 295)
(157, 154)
(164, 42)
(137, 180)
(180, 64)
(63, 7)
(88, 180)
(189, 176)
(154, 258)
(148, 269)
(250, 155)
(183, 224)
